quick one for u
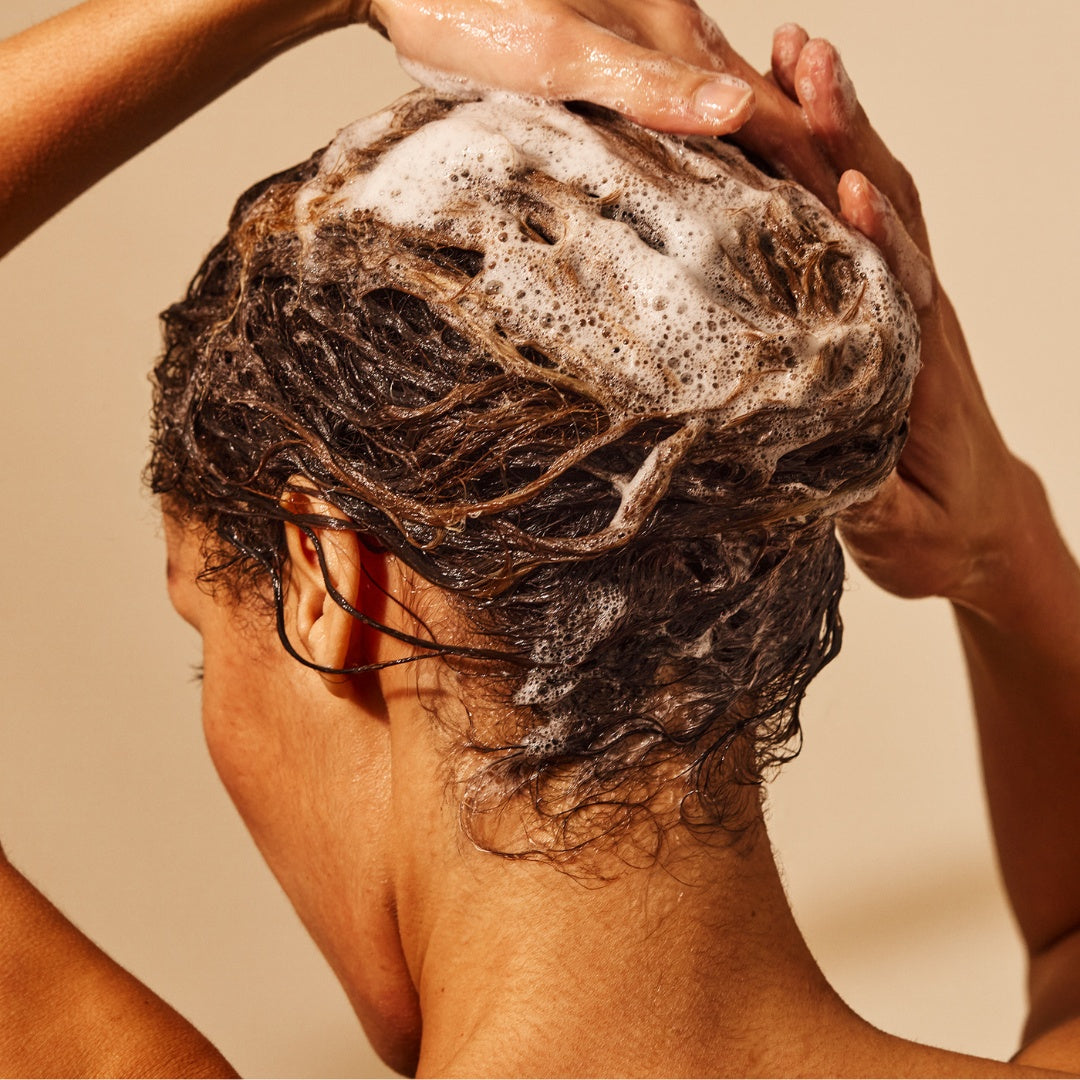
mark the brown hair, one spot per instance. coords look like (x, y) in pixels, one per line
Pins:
(681, 642)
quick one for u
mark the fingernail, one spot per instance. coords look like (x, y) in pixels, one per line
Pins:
(857, 184)
(791, 38)
(857, 201)
(881, 205)
(723, 100)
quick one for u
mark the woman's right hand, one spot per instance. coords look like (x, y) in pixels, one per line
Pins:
(664, 64)
(950, 520)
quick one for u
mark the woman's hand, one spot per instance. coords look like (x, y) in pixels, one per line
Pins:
(950, 520)
(660, 64)
(664, 64)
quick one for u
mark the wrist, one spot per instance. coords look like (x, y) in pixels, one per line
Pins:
(290, 22)
(277, 25)
(1025, 573)
(331, 14)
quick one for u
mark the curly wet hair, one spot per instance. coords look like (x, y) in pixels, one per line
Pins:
(668, 635)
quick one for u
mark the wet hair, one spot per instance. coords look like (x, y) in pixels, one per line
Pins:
(641, 560)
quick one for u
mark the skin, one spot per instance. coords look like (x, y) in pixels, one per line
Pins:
(456, 961)
(342, 783)
(663, 64)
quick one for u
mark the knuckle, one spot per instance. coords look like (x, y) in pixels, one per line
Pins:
(682, 14)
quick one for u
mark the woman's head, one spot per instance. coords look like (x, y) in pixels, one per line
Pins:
(604, 390)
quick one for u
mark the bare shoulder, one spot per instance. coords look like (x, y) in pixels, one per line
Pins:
(1058, 1049)
(1056, 1054)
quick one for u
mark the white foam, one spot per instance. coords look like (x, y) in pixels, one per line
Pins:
(445, 83)
(625, 274)
(636, 278)
(566, 644)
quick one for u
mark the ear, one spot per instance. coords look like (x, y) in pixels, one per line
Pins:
(324, 631)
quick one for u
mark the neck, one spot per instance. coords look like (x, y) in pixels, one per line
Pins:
(686, 968)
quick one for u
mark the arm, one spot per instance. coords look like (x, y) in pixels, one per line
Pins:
(1022, 646)
(61, 999)
(962, 518)
(90, 88)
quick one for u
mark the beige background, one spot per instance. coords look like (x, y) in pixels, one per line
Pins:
(107, 798)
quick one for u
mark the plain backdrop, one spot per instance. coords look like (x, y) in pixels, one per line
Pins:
(108, 800)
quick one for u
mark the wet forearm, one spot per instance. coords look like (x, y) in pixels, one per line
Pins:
(86, 90)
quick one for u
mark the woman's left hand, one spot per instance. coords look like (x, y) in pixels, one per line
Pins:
(949, 520)
(663, 64)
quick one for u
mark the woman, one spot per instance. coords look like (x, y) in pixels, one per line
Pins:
(790, 1006)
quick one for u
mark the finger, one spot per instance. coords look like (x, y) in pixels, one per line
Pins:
(865, 208)
(787, 45)
(680, 35)
(836, 118)
(655, 90)
(554, 52)
(777, 132)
